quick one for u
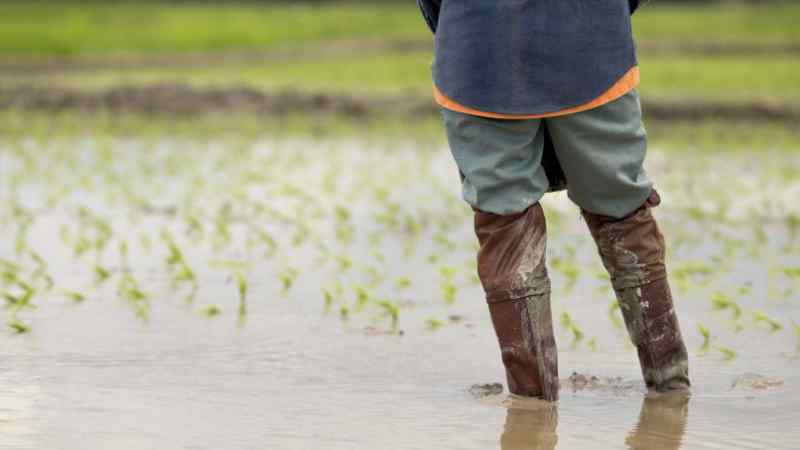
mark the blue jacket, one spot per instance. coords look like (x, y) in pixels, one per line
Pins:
(529, 56)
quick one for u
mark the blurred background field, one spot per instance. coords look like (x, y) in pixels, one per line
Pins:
(696, 57)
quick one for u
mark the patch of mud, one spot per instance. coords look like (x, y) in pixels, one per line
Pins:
(183, 99)
(485, 390)
(755, 382)
(578, 382)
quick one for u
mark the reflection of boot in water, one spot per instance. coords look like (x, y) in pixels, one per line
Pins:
(511, 266)
(662, 423)
(632, 249)
(530, 429)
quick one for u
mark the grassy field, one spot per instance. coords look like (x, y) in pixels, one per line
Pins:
(47, 28)
(721, 52)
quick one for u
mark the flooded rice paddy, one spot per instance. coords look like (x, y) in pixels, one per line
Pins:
(266, 292)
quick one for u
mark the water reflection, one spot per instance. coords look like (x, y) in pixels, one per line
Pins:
(529, 428)
(662, 422)
(661, 425)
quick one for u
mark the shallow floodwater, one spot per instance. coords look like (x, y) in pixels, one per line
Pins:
(331, 249)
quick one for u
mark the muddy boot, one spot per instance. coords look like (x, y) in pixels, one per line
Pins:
(511, 266)
(632, 250)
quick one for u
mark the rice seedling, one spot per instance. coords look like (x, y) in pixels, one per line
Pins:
(344, 312)
(345, 263)
(128, 288)
(706, 345)
(796, 328)
(403, 283)
(101, 274)
(759, 317)
(727, 353)
(18, 325)
(392, 311)
(287, 278)
(328, 300)
(211, 311)
(362, 298)
(75, 296)
(614, 314)
(433, 324)
(569, 324)
(20, 297)
(721, 302)
(241, 283)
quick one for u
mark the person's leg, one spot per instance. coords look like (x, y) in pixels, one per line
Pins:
(500, 166)
(601, 152)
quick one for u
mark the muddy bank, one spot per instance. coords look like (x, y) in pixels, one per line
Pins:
(179, 99)
(346, 48)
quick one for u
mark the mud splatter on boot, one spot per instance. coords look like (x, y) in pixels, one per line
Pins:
(511, 266)
(632, 249)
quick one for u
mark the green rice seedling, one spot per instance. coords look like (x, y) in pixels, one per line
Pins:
(449, 292)
(443, 240)
(18, 325)
(727, 353)
(75, 296)
(792, 272)
(344, 312)
(448, 272)
(691, 272)
(266, 238)
(287, 277)
(81, 245)
(613, 314)
(241, 283)
(721, 302)
(129, 289)
(392, 311)
(362, 298)
(211, 311)
(403, 283)
(64, 234)
(796, 328)
(23, 298)
(101, 274)
(433, 324)
(345, 263)
(762, 318)
(592, 344)
(328, 298)
(568, 323)
(706, 333)
(123, 255)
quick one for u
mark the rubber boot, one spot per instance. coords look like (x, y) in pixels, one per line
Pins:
(511, 267)
(632, 249)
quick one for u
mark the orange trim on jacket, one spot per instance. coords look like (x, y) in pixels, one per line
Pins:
(624, 85)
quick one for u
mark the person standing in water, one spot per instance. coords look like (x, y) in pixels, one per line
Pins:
(540, 96)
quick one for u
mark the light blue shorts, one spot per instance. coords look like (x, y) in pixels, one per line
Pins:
(601, 152)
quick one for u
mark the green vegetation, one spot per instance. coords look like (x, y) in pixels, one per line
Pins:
(46, 28)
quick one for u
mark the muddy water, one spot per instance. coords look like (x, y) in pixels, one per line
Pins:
(291, 373)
